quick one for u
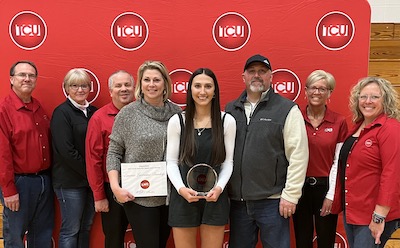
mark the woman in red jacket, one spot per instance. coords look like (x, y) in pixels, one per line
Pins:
(368, 189)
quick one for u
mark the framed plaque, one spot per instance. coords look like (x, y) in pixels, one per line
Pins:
(145, 178)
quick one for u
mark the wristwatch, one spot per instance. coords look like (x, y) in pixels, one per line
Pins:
(377, 218)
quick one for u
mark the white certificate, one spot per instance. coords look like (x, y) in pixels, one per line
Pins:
(145, 178)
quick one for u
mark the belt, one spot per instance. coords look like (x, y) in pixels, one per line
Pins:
(313, 181)
(42, 172)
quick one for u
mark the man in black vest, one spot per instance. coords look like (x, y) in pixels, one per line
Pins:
(270, 161)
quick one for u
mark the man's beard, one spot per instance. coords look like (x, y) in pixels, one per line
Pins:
(258, 88)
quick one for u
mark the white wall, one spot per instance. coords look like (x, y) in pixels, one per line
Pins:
(385, 11)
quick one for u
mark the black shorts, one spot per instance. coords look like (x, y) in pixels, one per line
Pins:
(185, 214)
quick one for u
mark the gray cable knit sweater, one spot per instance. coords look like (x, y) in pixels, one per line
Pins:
(139, 134)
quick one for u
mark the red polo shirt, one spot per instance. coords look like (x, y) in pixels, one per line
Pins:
(24, 140)
(322, 142)
(372, 174)
(97, 140)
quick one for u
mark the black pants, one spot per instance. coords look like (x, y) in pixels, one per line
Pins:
(114, 222)
(149, 225)
(308, 214)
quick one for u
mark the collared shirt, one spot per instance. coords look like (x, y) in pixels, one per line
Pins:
(97, 140)
(372, 172)
(322, 142)
(24, 140)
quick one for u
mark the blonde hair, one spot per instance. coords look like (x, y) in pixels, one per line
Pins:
(153, 65)
(321, 74)
(389, 95)
(76, 75)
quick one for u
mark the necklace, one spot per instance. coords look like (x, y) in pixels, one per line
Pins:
(200, 130)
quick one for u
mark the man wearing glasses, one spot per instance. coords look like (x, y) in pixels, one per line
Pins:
(26, 191)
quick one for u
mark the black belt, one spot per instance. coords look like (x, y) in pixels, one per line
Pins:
(42, 172)
(313, 181)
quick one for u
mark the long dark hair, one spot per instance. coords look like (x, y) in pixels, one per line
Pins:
(188, 153)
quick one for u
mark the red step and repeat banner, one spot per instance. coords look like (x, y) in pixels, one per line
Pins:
(298, 36)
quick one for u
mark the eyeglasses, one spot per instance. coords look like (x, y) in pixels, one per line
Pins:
(23, 75)
(260, 72)
(372, 98)
(321, 90)
(77, 86)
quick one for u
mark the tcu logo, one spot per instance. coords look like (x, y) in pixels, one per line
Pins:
(340, 241)
(128, 241)
(368, 143)
(94, 87)
(231, 31)
(129, 31)
(286, 83)
(129, 244)
(180, 79)
(28, 30)
(201, 179)
(144, 184)
(335, 30)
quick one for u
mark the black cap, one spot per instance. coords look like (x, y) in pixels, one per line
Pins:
(258, 58)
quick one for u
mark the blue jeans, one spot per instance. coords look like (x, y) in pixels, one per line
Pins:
(77, 212)
(360, 236)
(35, 215)
(248, 218)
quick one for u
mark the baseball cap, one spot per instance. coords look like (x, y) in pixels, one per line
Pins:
(257, 58)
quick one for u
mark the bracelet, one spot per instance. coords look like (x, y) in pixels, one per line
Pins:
(377, 218)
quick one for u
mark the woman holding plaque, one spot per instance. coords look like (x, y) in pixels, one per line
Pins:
(202, 135)
(139, 135)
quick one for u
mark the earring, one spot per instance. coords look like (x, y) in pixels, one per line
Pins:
(164, 92)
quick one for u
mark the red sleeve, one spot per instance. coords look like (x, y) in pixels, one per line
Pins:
(94, 157)
(389, 148)
(6, 166)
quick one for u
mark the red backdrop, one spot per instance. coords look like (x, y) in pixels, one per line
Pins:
(298, 36)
